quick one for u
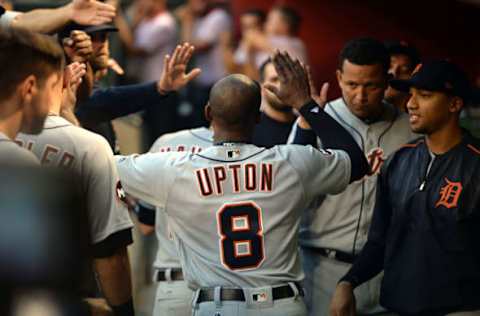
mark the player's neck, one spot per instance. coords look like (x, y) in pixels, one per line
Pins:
(445, 138)
(10, 120)
(220, 136)
(276, 115)
(54, 110)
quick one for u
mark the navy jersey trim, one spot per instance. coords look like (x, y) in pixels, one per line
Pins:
(59, 126)
(239, 160)
(200, 137)
(110, 245)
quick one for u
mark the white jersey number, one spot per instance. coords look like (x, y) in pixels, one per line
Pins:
(241, 235)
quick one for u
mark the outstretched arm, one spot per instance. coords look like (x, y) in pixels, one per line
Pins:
(108, 104)
(85, 12)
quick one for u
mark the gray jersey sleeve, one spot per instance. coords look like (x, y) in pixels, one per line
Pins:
(320, 171)
(145, 176)
(107, 213)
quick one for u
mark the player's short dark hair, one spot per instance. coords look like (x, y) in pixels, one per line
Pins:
(24, 53)
(365, 51)
(291, 16)
(259, 14)
(261, 70)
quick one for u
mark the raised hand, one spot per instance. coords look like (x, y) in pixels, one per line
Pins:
(174, 74)
(294, 86)
(72, 79)
(91, 12)
(78, 46)
(320, 99)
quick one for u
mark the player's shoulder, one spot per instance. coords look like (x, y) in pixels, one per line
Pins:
(198, 136)
(12, 154)
(85, 140)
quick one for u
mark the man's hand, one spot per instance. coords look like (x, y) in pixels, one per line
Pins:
(78, 46)
(91, 12)
(99, 307)
(343, 301)
(294, 88)
(320, 99)
(174, 76)
(71, 81)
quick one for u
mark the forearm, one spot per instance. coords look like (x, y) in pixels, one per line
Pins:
(44, 20)
(114, 277)
(367, 265)
(111, 103)
(334, 136)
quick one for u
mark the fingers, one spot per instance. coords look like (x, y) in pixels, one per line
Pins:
(193, 74)
(112, 63)
(279, 65)
(324, 92)
(187, 53)
(176, 55)
(105, 10)
(166, 64)
(272, 89)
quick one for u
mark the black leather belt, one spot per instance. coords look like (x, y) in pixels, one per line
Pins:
(335, 254)
(175, 275)
(207, 295)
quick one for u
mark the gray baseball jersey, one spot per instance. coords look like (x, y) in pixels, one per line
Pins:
(62, 144)
(342, 221)
(235, 208)
(13, 155)
(192, 140)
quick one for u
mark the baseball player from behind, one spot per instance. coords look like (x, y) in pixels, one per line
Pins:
(238, 248)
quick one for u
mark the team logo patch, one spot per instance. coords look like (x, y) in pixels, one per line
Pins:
(449, 194)
(376, 159)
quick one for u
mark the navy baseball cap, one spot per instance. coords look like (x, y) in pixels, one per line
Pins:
(89, 29)
(395, 47)
(440, 75)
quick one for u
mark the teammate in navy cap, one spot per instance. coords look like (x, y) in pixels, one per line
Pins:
(424, 232)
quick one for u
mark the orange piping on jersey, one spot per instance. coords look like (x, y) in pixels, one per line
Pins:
(475, 150)
(412, 145)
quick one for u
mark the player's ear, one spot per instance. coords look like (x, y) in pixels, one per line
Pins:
(27, 89)
(208, 113)
(456, 105)
(339, 76)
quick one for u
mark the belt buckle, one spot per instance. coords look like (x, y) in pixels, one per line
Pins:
(260, 296)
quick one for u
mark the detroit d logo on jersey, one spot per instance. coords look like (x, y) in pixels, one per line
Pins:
(376, 159)
(449, 194)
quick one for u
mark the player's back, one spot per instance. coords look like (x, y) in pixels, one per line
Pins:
(89, 156)
(235, 208)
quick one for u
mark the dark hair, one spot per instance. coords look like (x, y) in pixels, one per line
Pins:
(24, 53)
(365, 51)
(260, 14)
(291, 16)
(262, 67)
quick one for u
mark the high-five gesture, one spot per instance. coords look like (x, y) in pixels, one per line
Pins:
(174, 74)
(91, 12)
(294, 85)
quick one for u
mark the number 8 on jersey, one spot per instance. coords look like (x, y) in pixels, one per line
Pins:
(241, 235)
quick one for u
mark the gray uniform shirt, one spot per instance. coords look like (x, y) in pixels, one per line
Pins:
(235, 208)
(342, 221)
(62, 144)
(13, 155)
(192, 140)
